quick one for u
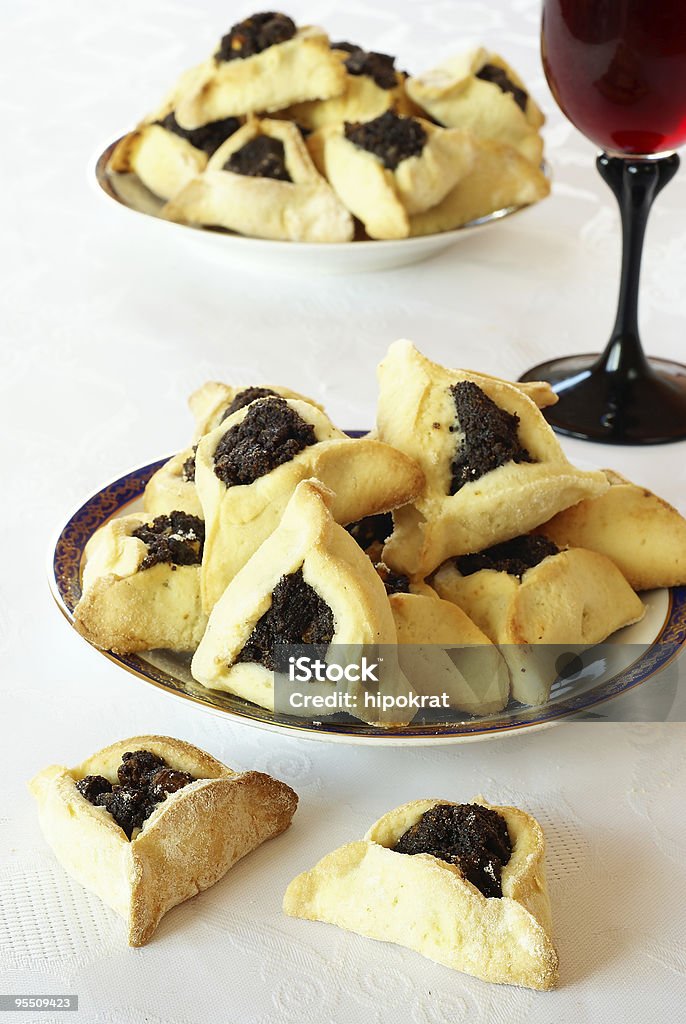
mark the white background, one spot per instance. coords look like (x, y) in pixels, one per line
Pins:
(104, 334)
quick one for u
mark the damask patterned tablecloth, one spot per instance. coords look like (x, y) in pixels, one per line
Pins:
(104, 335)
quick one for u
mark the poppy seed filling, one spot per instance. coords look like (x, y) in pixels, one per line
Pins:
(492, 73)
(377, 66)
(389, 137)
(176, 539)
(144, 780)
(490, 435)
(245, 397)
(297, 615)
(188, 468)
(261, 157)
(473, 838)
(255, 34)
(394, 582)
(270, 434)
(372, 532)
(514, 556)
(208, 137)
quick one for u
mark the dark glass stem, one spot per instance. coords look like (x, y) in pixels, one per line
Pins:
(620, 396)
(635, 184)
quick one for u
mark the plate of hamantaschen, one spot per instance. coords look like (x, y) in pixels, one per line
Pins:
(286, 147)
(455, 537)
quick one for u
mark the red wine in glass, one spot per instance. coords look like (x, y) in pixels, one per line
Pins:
(617, 69)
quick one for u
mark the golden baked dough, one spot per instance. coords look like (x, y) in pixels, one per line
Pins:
(361, 99)
(573, 599)
(539, 391)
(441, 651)
(164, 156)
(500, 178)
(186, 845)
(210, 403)
(310, 542)
(366, 476)
(126, 608)
(163, 161)
(301, 68)
(382, 198)
(304, 209)
(455, 96)
(643, 535)
(426, 905)
(417, 414)
(171, 488)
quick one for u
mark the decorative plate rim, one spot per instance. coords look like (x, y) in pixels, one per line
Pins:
(64, 561)
(98, 173)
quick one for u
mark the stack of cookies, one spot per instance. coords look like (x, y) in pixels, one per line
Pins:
(457, 525)
(283, 134)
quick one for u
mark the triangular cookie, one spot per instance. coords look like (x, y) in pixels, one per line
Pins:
(141, 584)
(247, 469)
(500, 178)
(536, 601)
(263, 63)
(196, 827)
(164, 156)
(480, 93)
(493, 467)
(643, 535)
(389, 168)
(262, 182)
(172, 487)
(309, 583)
(428, 905)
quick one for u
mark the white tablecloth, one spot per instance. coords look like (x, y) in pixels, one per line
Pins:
(104, 335)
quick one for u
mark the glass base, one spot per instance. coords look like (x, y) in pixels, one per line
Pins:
(598, 405)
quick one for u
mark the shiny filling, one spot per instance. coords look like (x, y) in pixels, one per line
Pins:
(473, 838)
(143, 781)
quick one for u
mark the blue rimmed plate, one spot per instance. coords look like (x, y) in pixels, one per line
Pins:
(659, 638)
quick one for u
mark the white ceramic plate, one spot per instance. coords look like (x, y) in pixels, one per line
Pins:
(287, 257)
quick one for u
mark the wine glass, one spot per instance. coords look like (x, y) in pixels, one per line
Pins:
(617, 69)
